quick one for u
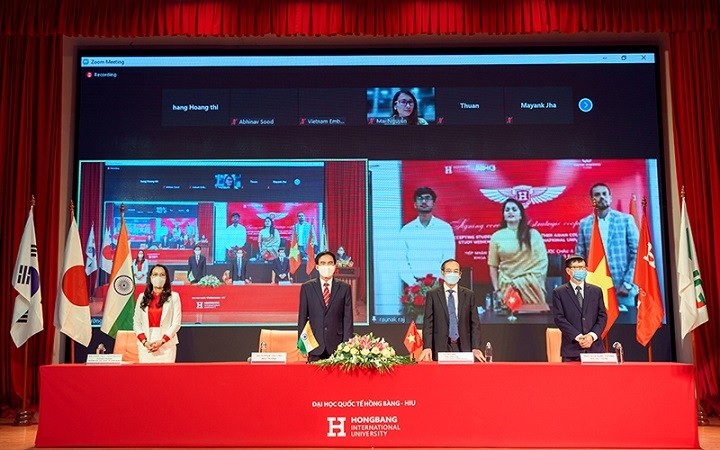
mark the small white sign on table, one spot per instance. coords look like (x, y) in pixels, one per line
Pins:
(104, 358)
(456, 358)
(268, 358)
(598, 358)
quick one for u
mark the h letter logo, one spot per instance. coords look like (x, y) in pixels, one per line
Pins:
(336, 427)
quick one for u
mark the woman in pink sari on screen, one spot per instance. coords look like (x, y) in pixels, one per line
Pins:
(517, 256)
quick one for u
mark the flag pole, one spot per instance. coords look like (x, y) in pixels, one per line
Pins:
(702, 419)
(606, 340)
(92, 286)
(72, 341)
(22, 418)
(643, 202)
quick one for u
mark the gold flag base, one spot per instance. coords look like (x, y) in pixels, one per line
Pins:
(22, 418)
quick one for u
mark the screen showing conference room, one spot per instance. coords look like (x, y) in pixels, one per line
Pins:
(195, 138)
(240, 216)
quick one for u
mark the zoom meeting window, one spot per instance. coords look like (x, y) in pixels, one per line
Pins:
(401, 160)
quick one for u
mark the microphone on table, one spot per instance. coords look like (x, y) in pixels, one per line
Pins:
(619, 352)
(100, 349)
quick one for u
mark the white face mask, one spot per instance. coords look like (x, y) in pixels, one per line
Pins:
(158, 281)
(197, 253)
(452, 278)
(326, 271)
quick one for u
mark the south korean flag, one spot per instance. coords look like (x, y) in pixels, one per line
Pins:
(27, 313)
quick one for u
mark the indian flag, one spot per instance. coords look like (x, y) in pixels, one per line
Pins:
(307, 342)
(120, 298)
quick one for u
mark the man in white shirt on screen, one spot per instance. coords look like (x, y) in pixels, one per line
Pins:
(304, 232)
(234, 236)
(426, 242)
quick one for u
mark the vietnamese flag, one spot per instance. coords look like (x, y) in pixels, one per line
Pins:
(599, 275)
(294, 254)
(413, 341)
(650, 307)
(512, 299)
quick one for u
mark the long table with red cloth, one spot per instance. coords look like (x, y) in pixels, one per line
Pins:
(634, 405)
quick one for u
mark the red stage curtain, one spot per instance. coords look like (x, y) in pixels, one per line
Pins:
(130, 18)
(30, 85)
(206, 211)
(695, 68)
(345, 190)
(30, 138)
(91, 181)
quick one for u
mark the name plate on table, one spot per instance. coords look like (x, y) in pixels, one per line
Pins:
(268, 358)
(239, 283)
(104, 358)
(456, 358)
(598, 358)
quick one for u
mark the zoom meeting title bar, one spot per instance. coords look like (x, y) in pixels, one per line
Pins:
(364, 60)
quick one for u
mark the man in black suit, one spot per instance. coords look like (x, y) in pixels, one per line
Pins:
(451, 321)
(164, 242)
(281, 267)
(196, 265)
(238, 266)
(579, 310)
(327, 303)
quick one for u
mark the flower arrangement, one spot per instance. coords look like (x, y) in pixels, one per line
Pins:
(413, 297)
(364, 352)
(210, 281)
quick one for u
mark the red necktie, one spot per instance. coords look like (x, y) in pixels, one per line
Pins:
(326, 295)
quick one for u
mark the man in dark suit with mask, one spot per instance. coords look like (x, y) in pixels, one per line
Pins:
(326, 303)
(196, 265)
(281, 267)
(451, 322)
(238, 266)
(579, 310)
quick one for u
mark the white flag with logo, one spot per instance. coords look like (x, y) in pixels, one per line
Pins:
(106, 260)
(27, 317)
(72, 313)
(90, 253)
(693, 308)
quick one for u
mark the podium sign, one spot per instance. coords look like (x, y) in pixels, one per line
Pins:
(268, 358)
(456, 358)
(598, 358)
(104, 358)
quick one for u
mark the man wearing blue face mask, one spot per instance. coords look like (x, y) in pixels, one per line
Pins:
(451, 322)
(579, 311)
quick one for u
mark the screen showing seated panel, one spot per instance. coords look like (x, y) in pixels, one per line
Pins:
(539, 126)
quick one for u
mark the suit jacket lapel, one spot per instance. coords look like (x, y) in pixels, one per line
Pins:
(164, 313)
(462, 305)
(443, 301)
(333, 291)
(318, 291)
